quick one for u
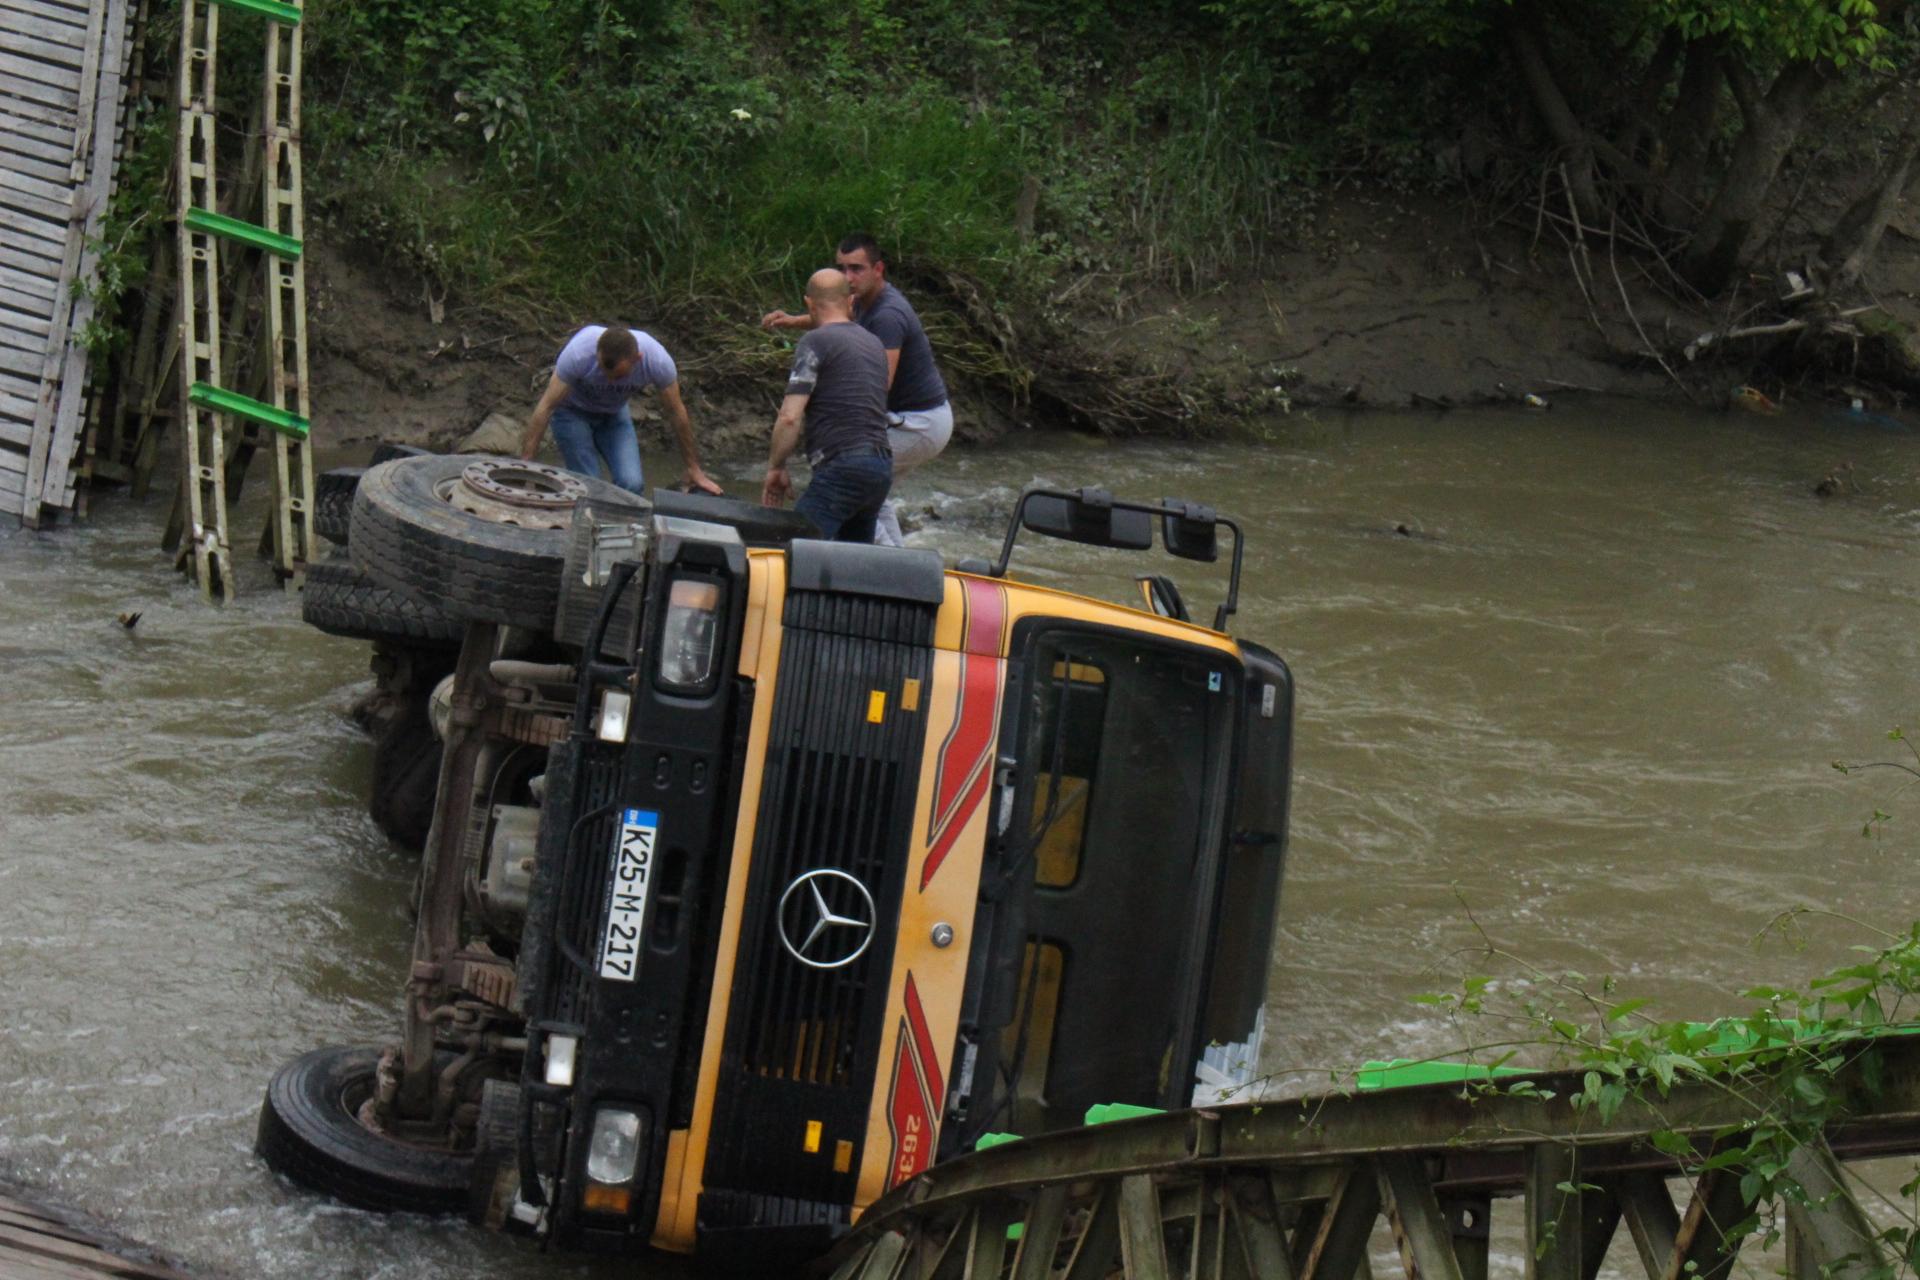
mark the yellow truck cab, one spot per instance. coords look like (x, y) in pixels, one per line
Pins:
(832, 861)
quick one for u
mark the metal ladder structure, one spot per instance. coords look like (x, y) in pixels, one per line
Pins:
(220, 427)
(1295, 1190)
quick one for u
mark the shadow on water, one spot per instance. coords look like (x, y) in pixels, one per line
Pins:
(1590, 693)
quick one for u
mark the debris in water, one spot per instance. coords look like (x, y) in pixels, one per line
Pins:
(129, 619)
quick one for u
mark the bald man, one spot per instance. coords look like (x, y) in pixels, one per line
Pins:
(836, 411)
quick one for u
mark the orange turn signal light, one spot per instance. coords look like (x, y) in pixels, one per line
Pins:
(605, 1199)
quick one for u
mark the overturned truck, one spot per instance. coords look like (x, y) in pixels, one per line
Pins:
(762, 872)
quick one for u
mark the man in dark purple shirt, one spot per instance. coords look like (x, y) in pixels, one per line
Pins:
(919, 416)
(836, 409)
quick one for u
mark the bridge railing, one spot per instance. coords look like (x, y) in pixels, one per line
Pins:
(1295, 1189)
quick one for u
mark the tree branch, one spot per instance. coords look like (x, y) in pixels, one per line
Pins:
(1746, 90)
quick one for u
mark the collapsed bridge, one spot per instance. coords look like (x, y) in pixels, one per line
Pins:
(1293, 1190)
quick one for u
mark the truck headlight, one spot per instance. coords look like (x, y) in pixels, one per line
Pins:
(614, 1151)
(690, 634)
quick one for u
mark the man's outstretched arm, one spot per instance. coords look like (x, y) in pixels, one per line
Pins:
(537, 425)
(786, 438)
(683, 432)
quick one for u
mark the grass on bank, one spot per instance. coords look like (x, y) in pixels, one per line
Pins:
(667, 162)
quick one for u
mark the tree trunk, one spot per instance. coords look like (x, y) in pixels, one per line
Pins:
(1689, 131)
(1850, 246)
(1773, 122)
(1529, 50)
(1642, 129)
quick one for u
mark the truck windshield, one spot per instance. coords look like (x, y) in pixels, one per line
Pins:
(1118, 813)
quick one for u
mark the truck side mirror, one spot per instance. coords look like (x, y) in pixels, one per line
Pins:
(1194, 534)
(1090, 517)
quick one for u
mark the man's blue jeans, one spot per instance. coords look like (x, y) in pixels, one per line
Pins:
(585, 439)
(844, 497)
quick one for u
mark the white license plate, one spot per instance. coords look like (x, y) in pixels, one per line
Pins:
(632, 873)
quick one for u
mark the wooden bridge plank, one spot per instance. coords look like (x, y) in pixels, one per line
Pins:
(28, 33)
(56, 192)
(36, 100)
(27, 292)
(17, 305)
(18, 432)
(34, 223)
(58, 478)
(1413, 1211)
(51, 75)
(34, 1246)
(33, 166)
(33, 132)
(24, 388)
(14, 194)
(20, 339)
(13, 484)
(52, 10)
(30, 249)
(20, 362)
(37, 37)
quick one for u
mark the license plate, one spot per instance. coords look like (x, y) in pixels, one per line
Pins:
(627, 910)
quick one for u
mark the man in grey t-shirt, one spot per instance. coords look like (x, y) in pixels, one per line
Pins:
(836, 409)
(919, 415)
(597, 372)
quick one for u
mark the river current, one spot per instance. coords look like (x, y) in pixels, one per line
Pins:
(1569, 684)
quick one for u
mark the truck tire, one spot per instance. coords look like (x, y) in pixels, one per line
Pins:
(333, 502)
(481, 539)
(310, 1132)
(406, 775)
(342, 601)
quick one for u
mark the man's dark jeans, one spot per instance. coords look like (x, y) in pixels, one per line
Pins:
(844, 496)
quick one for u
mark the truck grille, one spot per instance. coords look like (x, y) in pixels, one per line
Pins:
(583, 882)
(802, 1041)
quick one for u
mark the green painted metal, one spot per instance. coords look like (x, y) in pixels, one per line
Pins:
(233, 402)
(1405, 1073)
(287, 13)
(237, 229)
(1107, 1112)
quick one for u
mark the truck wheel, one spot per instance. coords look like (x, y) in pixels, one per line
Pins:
(333, 502)
(310, 1131)
(406, 775)
(482, 539)
(342, 601)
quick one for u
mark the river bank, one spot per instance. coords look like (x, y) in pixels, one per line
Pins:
(1385, 302)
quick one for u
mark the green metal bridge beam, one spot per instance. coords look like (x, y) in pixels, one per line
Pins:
(1295, 1190)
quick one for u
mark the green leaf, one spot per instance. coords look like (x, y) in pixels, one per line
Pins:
(1625, 1007)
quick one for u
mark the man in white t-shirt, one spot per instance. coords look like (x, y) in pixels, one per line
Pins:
(598, 371)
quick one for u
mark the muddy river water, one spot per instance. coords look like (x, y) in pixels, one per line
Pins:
(1587, 699)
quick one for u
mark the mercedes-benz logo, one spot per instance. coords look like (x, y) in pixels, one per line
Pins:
(841, 939)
